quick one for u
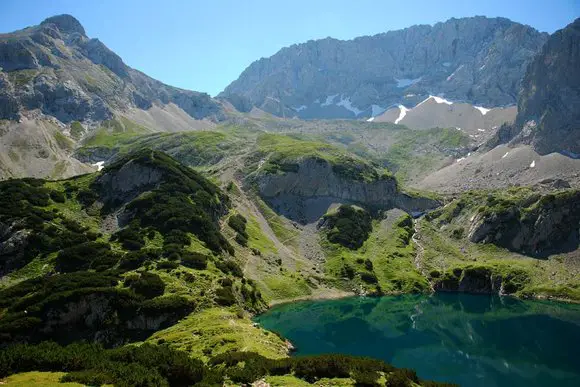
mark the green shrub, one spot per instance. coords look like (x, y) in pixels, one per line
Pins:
(369, 278)
(349, 226)
(194, 260)
(81, 257)
(148, 285)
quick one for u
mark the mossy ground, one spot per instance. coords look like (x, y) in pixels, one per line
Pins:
(39, 379)
(218, 330)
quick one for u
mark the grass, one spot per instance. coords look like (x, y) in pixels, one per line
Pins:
(218, 330)
(391, 253)
(39, 379)
(283, 154)
(292, 381)
(257, 239)
(283, 231)
(63, 141)
(285, 286)
(114, 131)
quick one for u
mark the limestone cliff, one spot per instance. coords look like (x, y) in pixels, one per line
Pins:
(306, 192)
(478, 60)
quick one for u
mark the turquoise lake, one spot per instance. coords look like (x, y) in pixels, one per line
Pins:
(472, 340)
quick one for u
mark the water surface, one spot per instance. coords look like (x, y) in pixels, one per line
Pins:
(472, 340)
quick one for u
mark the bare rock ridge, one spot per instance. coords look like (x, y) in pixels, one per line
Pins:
(305, 194)
(56, 68)
(477, 60)
(548, 115)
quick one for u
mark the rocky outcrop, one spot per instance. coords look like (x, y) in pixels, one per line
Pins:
(478, 60)
(131, 179)
(478, 280)
(306, 193)
(13, 243)
(549, 225)
(56, 68)
(548, 115)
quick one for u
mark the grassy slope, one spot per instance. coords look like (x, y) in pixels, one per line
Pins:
(40, 379)
(391, 252)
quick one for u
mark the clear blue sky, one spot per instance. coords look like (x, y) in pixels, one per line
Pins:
(204, 45)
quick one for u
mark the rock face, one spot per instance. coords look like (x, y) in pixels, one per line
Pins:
(477, 60)
(548, 114)
(305, 194)
(56, 68)
(549, 225)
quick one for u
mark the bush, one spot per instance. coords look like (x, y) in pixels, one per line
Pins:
(134, 259)
(242, 240)
(349, 226)
(238, 223)
(369, 278)
(230, 267)
(167, 265)
(194, 260)
(225, 296)
(57, 196)
(148, 285)
(81, 257)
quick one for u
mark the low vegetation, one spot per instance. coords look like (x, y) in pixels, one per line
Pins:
(160, 365)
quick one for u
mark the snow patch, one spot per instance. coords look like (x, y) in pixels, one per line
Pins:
(404, 82)
(371, 119)
(481, 130)
(329, 100)
(533, 164)
(436, 99)
(460, 159)
(99, 164)
(482, 67)
(345, 102)
(446, 64)
(409, 95)
(458, 128)
(482, 110)
(504, 156)
(402, 113)
(299, 108)
(453, 73)
(376, 110)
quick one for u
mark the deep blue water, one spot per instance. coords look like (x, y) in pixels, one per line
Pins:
(472, 340)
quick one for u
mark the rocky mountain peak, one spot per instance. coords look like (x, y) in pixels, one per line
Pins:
(548, 116)
(477, 60)
(67, 24)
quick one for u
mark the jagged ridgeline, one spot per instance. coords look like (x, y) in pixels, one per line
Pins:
(137, 252)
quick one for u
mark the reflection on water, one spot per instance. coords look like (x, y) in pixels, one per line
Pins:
(472, 340)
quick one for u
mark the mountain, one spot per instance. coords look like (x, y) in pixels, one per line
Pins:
(542, 146)
(478, 60)
(59, 87)
(56, 68)
(548, 116)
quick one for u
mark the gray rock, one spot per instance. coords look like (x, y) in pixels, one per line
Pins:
(305, 195)
(56, 68)
(548, 107)
(478, 60)
(551, 224)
